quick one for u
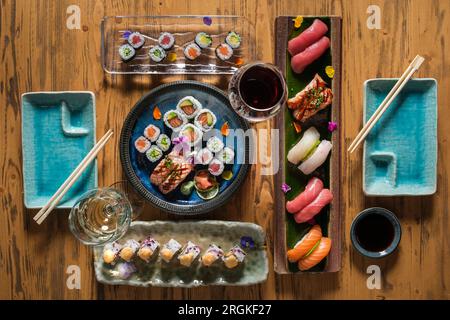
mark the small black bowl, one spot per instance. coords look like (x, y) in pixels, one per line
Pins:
(391, 218)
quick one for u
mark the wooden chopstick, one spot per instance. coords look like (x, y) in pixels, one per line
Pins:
(56, 198)
(412, 68)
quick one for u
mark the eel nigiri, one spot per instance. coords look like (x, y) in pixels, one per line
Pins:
(307, 213)
(311, 35)
(318, 254)
(302, 247)
(303, 59)
(304, 146)
(317, 158)
(312, 190)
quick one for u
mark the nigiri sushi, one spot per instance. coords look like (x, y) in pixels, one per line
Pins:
(234, 257)
(179, 173)
(147, 249)
(317, 158)
(303, 59)
(212, 254)
(129, 249)
(317, 255)
(310, 139)
(169, 250)
(307, 213)
(111, 252)
(308, 242)
(311, 35)
(188, 255)
(312, 190)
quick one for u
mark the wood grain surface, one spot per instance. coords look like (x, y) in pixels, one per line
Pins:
(38, 52)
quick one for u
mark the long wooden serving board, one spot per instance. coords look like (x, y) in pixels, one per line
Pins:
(288, 232)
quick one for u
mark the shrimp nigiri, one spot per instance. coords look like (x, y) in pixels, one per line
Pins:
(307, 213)
(305, 244)
(318, 254)
(312, 190)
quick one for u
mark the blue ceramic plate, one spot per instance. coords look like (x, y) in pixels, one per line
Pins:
(400, 152)
(138, 168)
(58, 130)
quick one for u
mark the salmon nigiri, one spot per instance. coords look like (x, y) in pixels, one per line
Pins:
(318, 254)
(305, 244)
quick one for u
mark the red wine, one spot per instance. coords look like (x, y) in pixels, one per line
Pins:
(260, 87)
(374, 232)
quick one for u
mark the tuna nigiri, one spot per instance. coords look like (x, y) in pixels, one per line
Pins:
(302, 247)
(317, 158)
(311, 35)
(312, 190)
(317, 255)
(303, 59)
(303, 147)
(307, 213)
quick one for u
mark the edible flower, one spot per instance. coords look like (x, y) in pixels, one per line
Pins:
(239, 61)
(297, 127)
(247, 242)
(298, 21)
(225, 129)
(207, 20)
(332, 126)
(285, 187)
(329, 70)
(126, 34)
(156, 113)
(172, 56)
(181, 143)
(125, 270)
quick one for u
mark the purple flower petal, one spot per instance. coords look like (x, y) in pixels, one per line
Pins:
(126, 34)
(207, 20)
(285, 187)
(126, 269)
(332, 126)
(247, 242)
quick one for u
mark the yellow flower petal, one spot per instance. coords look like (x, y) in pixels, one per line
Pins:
(172, 56)
(298, 21)
(329, 70)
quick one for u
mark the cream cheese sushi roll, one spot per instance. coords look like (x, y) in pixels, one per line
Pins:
(234, 257)
(169, 250)
(166, 40)
(192, 51)
(142, 144)
(212, 254)
(147, 249)
(214, 144)
(151, 132)
(205, 120)
(203, 40)
(216, 167)
(189, 106)
(154, 154)
(233, 39)
(226, 155)
(157, 53)
(126, 52)
(203, 156)
(163, 142)
(111, 252)
(188, 255)
(175, 120)
(224, 51)
(129, 249)
(192, 133)
(136, 40)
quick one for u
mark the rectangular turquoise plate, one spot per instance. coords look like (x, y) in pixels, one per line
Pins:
(400, 152)
(58, 130)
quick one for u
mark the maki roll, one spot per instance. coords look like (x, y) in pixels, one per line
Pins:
(233, 39)
(188, 255)
(148, 249)
(142, 144)
(189, 106)
(111, 252)
(154, 153)
(157, 53)
(204, 156)
(129, 249)
(192, 133)
(166, 40)
(216, 167)
(163, 142)
(169, 250)
(175, 120)
(192, 51)
(212, 254)
(205, 119)
(226, 155)
(234, 257)
(224, 51)
(125, 270)
(126, 52)
(203, 40)
(151, 132)
(136, 40)
(214, 144)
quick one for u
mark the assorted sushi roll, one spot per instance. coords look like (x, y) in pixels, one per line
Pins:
(175, 120)
(166, 40)
(125, 270)
(216, 167)
(142, 144)
(148, 249)
(192, 133)
(111, 252)
(203, 156)
(233, 39)
(136, 40)
(226, 155)
(214, 144)
(169, 250)
(192, 51)
(205, 119)
(157, 54)
(151, 132)
(189, 106)
(189, 254)
(163, 142)
(224, 51)
(154, 154)
(126, 52)
(212, 254)
(234, 257)
(203, 40)
(129, 250)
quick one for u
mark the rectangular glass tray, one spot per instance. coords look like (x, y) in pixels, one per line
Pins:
(184, 28)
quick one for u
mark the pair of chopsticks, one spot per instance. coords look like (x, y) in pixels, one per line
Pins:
(412, 68)
(56, 198)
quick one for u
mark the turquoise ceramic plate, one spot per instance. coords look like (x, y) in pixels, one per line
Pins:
(400, 152)
(58, 130)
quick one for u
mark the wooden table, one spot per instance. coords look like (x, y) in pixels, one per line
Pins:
(38, 52)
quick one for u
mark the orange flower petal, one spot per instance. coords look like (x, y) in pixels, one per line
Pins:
(225, 129)
(156, 113)
(297, 127)
(239, 61)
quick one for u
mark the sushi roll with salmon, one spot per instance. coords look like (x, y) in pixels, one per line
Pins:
(154, 154)
(163, 142)
(214, 144)
(205, 119)
(216, 167)
(212, 255)
(305, 245)
(189, 254)
(157, 54)
(175, 120)
(189, 106)
(169, 250)
(234, 257)
(166, 40)
(224, 51)
(126, 52)
(204, 156)
(192, 133)
(129, 249)
(233, 39)
(192, 51)
(142, 144)
(136, 40)
(151, 132)
(203, 40)
(226, 155)
(148, 249)
(318, 254)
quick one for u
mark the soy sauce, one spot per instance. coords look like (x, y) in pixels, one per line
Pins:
(374, 232)
(260, 87)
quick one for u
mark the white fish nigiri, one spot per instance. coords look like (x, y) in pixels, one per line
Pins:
(317, 158)
(304, 146)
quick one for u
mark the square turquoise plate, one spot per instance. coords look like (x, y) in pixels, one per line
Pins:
(400, 152)
(58, 130)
